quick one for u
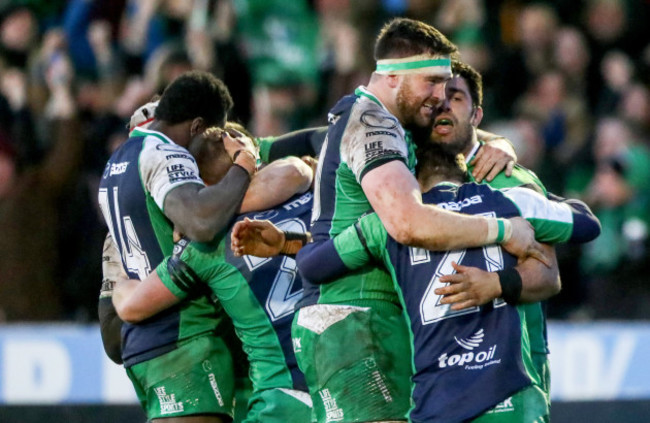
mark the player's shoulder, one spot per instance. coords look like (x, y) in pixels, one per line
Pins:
(521, 177)
(373, 118)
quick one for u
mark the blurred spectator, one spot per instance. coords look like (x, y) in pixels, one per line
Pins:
(571, 57)
(551, 70)
(617, 71)
(617, 263)
(531, 56)
(563, 123)
(345, 66)
(18, 35)
(279, 39)
(634, 107)
(526, 138)
(29, 253)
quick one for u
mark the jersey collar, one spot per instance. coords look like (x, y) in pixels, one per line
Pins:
(142, 132)
(472, 153)
(362, 91)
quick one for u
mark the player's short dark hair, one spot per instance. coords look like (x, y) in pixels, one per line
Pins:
(438, 160)
(472, 77)
(195, 94)
(402, 37)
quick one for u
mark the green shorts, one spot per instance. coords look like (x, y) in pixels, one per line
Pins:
(529, 405)
(195, 378)
(279, 406)
(542, 365)
(356, 361)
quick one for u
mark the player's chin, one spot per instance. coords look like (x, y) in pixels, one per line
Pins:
(424, 120)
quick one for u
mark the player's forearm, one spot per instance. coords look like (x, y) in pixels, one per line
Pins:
(539, 282)
(276, 183)
(305, 142)
(311, 258)
(395, 196)
(201, 215)
(436, 229)
(110, 326)
(586, 226)
(123, 302)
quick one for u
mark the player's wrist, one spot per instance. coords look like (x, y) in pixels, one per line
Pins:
(511, 285)
(499, 231)
(293, 242)
(247, 160)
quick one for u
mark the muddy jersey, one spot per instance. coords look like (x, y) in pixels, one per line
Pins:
(132, 193)
(259, 294)
(465, 362)
(361, 136)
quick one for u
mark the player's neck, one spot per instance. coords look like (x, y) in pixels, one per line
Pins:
(471, 147)
(379, 87)
(179, 133)
(429, 178)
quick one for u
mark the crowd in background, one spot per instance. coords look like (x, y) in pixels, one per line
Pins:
(567, 82)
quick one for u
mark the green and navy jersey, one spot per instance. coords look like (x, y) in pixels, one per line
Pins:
(259, 294)
(465, 362)
(520, 176)
(535, 312)
(361, 136)
(132, 192)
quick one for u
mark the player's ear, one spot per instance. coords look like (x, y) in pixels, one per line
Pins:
(197, 126)
(393, 80)
(477, 116)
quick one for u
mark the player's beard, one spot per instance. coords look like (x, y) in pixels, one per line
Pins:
(458, 140)
(409, 107)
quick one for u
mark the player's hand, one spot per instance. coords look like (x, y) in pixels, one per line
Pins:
(259, 238)
(235, 141)
(241, 149)
(492, 158)
(313, 164)
(522, 243)
(469, 287)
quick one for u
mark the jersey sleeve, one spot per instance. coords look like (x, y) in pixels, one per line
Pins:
(373, 137)
(164, 167)
(112, 268)
(173, 278)
(353, 248)
(362, 242)
(553, 221)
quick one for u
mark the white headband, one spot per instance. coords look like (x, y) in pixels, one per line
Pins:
(414, 64)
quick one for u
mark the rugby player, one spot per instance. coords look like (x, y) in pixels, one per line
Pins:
(151, 185)
(258, 294)
(366, 163)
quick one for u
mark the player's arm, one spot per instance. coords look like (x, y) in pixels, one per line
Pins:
(528, 282)
(355, 247)
(110, 324)
(276, 183)
(555, 221)
(137, 300)
(200, 212)
(261, 238)
(395, 196)
(496, 154)
(586, 226)
(567, 220)
(304, 142)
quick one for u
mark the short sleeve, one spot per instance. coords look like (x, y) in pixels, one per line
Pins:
(373, 137)
(165, 166)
